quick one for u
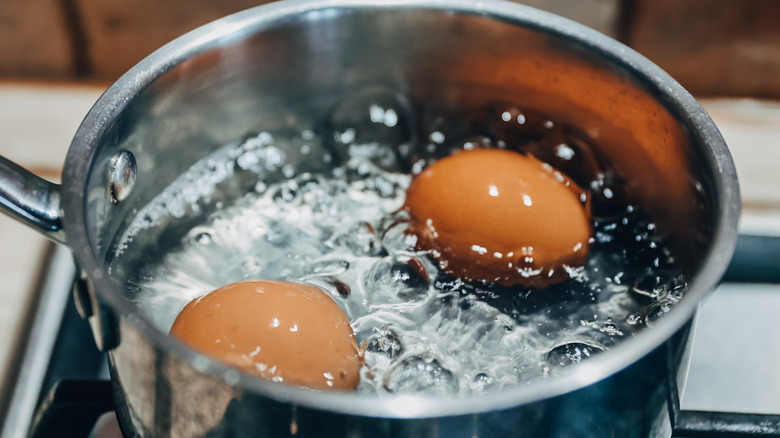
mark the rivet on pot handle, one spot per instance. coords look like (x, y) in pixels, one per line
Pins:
(31, 200)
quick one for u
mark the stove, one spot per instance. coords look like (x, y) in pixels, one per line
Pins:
(732, 390)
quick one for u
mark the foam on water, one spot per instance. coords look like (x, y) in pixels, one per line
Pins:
(421, 330)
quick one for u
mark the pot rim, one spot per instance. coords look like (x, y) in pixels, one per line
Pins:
(672, 95)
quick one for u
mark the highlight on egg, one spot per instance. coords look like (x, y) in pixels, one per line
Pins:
(277, 330)
(500, 216)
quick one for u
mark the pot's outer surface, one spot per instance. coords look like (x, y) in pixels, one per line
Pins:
(286, 64)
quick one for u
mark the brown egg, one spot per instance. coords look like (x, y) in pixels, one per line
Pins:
(281, 331)
(500, 216)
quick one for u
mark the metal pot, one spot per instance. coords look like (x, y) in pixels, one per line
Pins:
(287, 63)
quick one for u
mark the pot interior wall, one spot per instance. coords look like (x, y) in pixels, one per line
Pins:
(290, 73)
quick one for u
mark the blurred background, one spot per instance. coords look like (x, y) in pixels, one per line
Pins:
(57, 57)
(712, 47)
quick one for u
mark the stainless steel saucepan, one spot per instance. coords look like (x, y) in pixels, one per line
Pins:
(287, 64)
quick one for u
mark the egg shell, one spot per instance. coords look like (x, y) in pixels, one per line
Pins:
(282, 331)
(500, 216)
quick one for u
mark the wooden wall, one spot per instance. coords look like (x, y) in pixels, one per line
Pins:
(713, 47)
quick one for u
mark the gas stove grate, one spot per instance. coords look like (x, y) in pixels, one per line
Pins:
(76, 392)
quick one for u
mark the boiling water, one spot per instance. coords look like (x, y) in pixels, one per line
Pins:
(339, 227)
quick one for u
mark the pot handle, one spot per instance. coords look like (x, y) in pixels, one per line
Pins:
(31, 200)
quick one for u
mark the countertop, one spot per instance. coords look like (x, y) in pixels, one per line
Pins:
(37, 121)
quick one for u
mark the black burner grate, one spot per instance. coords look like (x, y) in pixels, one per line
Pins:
(74, 390)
